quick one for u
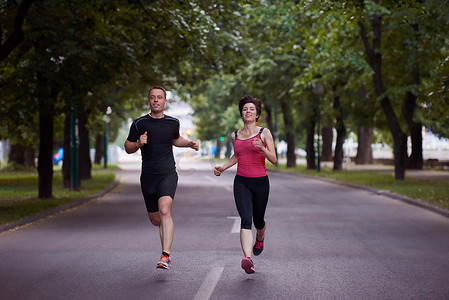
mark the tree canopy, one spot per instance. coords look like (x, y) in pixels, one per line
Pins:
(375, 63)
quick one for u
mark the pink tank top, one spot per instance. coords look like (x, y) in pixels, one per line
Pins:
(251, 161)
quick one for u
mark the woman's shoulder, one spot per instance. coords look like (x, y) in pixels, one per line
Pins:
(234, 135)
(264, 132)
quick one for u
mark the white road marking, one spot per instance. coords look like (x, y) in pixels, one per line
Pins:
(236, 225)
(214, 180)
(209, 284)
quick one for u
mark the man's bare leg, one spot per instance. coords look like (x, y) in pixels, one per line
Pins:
(166, 223)
(163, 219)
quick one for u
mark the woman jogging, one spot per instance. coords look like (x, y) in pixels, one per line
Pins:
(252, 144)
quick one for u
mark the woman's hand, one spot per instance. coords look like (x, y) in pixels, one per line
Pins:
(258, 143)
(218, 170)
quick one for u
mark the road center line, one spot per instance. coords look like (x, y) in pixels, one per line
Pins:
(209, 284)
(236, 225)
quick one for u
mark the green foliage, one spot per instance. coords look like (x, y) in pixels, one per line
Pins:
(211, 53)
(211, 118)
(100, 52)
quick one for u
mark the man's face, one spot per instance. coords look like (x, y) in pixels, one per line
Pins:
(157, 100)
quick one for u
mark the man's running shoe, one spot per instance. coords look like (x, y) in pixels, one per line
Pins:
(248, 265)
(164, 263)
(258, 246)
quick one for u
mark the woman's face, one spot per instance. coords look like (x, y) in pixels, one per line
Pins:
(249, 112)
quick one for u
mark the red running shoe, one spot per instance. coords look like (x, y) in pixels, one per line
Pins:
(248, 265)
(258, 246)
(164, 263)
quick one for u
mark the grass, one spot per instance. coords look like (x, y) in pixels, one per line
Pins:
(19, 191)
(434, 192)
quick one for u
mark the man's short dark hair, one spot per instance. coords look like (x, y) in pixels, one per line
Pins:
(157, 87)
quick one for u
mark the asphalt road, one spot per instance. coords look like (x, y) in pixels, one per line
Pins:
(324, 241)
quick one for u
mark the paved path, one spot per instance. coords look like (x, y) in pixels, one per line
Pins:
(324, 241)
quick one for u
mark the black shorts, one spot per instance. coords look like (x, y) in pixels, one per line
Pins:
(156, 186)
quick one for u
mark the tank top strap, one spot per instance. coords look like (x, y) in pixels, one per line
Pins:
(261, 129)
(235, 133)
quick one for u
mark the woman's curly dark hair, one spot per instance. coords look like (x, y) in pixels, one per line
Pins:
(250, 99)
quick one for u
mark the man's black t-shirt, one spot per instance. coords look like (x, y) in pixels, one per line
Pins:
(157, 153)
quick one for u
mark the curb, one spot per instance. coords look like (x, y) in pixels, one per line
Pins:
(58, 209)
(405, 199)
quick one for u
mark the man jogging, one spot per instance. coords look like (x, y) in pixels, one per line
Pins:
(155, 134)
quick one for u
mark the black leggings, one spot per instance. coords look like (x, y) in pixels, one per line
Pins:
(251, 199)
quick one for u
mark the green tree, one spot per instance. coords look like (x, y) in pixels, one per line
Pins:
(77, 49)
(15, 33)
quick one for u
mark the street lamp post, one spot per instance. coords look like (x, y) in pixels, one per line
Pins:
(107, 121)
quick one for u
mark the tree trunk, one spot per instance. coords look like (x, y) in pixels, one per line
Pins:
(21, 155)
(17, 154)
(288, 125)
(341, 134)
(291, 155)
(219, 144)
(310, 148)
(416, 160)
(17, 35)
(408, 109)
(375, 61)
(85, 164)
(99, 149)
(364, 150)
(46, 133)
(400, 154)
(45, 162)
(30, 157)
(327, 135)
(228, 147)
(268, 118)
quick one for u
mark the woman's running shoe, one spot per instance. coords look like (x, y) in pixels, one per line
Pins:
(164, 263)
(258, 246)
(248, 265)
